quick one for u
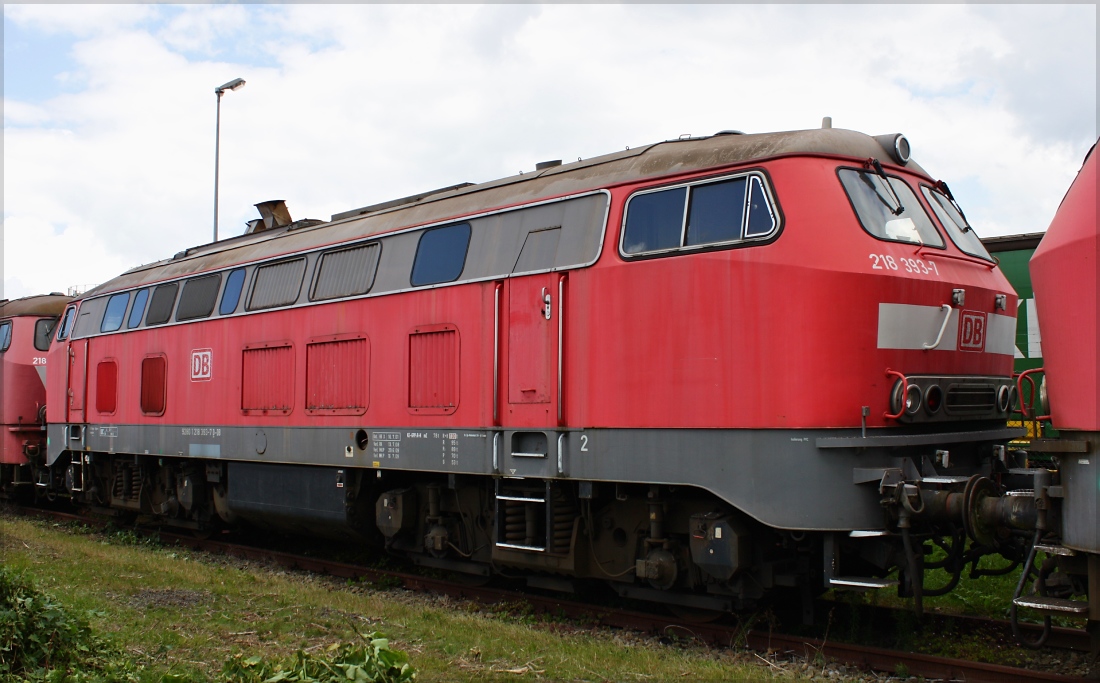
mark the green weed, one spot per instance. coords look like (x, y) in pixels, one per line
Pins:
(369, 660)
(41, 640)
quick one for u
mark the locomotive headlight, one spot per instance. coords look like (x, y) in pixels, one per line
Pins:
(907, 398)
(913, 399)
(933, 399)
(1004, 398)
(901, 149)
(896, 145)
(897, 396)
(1044, 398)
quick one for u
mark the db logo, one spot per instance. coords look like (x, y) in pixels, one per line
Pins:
(201, 360)
(972, 331)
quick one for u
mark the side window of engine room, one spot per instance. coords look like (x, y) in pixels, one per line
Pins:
(115, 312)
(346, 272)
(887, 208)
(5, 335)
(199, 295)
(724, 212)
(440, 254)
(138, 309)
(232, 294)
(160, 308)
(276, 284)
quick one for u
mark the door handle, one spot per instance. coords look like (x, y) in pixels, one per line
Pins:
(545, 303)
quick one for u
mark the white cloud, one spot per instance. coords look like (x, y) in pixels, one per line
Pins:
(78, 20)
(206, 28)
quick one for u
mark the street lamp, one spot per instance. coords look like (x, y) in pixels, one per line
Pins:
(235, 84)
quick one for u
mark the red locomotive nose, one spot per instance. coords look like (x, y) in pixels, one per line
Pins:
(1066, 277)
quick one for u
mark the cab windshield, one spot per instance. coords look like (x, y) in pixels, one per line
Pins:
(888, 209)
(955, 223)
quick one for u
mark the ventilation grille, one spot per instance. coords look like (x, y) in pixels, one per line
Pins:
(433, 369)
(338, 376)
(268, 378)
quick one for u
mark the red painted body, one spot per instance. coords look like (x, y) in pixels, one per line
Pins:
(779, 335)
(23, 377)
(1065, 273)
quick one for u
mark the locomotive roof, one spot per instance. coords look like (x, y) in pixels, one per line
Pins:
(41, 304)
(631, 165)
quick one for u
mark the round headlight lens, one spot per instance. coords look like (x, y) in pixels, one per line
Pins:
(901, 149)
(912, 399)
(1004, 398)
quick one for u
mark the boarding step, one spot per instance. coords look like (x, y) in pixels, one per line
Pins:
(1055, 550)
(861, 583)
(943, 480)
(1056, 605)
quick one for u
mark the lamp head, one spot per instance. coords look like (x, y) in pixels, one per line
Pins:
(235, 84)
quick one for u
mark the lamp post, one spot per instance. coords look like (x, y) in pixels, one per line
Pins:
(235, 84)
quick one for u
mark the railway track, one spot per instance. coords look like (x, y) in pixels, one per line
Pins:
(717, 634)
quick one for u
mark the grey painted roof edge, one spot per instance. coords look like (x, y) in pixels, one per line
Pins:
(645, 162)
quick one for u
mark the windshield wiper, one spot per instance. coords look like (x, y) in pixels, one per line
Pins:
(946, 192)
(886, 181)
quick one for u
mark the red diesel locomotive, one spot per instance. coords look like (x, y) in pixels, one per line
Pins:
(26, 327)
(701, 370)
(1065, 273)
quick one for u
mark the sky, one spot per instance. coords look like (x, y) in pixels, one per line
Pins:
(109, 110)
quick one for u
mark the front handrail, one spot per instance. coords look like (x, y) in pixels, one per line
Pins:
(904, 389)
(1025, 408)
(939, 337)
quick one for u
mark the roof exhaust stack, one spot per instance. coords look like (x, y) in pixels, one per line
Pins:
(273, 214)
(826, 122)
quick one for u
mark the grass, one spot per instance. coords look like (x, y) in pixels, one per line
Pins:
(182, 615)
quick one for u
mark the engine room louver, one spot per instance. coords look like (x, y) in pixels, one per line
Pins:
(970, 398)
(267, 382)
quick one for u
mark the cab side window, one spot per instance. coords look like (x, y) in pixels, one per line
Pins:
(715, 214)
(66, 323)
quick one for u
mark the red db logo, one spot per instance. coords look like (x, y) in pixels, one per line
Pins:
(972, 331)
(201, 360)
